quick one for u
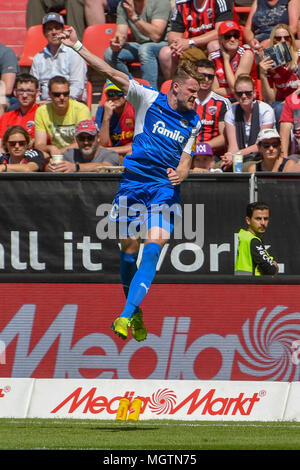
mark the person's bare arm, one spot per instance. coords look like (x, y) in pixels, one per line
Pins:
(285, 135)
(182, 170)
(20, 167)
(70, 39)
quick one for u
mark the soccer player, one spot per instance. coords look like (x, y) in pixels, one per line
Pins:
(166, 127)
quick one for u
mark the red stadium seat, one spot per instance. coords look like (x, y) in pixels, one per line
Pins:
(89, 100)
(165, 86)
(35, 41)
(96, 38)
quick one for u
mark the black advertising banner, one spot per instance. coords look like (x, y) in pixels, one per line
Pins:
(58, 224)
(282, 193)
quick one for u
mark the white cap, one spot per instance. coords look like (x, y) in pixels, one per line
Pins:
(267, 134)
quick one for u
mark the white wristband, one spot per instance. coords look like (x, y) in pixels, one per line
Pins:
(77, 46)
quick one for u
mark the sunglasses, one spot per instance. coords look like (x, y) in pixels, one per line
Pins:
(82, 138)
(112, 93)
(57, 94)
(267, 145)
(235, 35)
(13, 143)
(286, 38)
(209, 76)
(247, 93)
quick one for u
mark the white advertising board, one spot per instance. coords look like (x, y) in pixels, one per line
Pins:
(178, 399)
(183, 400)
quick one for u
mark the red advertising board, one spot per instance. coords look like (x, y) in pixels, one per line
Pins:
(195, 331)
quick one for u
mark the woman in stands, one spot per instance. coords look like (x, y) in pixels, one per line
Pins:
(269, 147)
(18, 156)
(231, 60)
(244, 122)
(264, 15)
(277, 83)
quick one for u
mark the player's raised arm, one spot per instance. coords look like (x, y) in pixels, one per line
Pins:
(70, 39)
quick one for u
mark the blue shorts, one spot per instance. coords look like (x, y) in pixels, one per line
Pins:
(141, 203)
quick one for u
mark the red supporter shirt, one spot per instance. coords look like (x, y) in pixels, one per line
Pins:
(195, 22)
(217, 58)
(211, 112)
(284, 79)
(291, 113)
(16, 118)
(121, 128)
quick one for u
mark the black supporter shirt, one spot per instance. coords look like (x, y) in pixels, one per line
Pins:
(35, 156)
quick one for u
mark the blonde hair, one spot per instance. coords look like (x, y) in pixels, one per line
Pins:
(244, 77)
(185, 70)
(293, 48)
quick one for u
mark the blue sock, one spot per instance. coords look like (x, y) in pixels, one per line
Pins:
(128, 269)
(142, 279)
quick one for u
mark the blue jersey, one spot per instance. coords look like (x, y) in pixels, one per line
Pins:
(161, 133)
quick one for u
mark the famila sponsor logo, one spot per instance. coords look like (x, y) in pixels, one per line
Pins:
(160, 128)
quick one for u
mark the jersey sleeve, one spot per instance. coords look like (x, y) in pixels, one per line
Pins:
(223, 111)
(191, 143)
(223, 10)
(287, 112)
(261, 258)
(177, 23)
(141, 99)
(267, 114)
(39, 119)
(99, 116)
(35, 156)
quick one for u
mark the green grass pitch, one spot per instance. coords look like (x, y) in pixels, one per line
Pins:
(74, 434)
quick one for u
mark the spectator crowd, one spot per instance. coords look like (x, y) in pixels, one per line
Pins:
(248, 102)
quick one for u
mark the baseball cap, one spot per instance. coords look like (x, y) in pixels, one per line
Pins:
(227, 26)
(89, 127)
(110, 86)
(202, 148)
(267, 134)
(52, 16)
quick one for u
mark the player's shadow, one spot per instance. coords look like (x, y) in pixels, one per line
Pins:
(124, 428)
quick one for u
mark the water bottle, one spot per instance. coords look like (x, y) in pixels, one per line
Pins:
(237, 161)
(134, 410)
(123, 409)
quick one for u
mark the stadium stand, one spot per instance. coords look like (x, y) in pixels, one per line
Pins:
(12, 24)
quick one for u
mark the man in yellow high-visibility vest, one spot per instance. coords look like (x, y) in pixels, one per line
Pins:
(252, 256)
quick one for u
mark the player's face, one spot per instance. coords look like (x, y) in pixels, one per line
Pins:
(208, 78)
(258, 222)
(186, 94)
(17, 145)
(26, 93)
